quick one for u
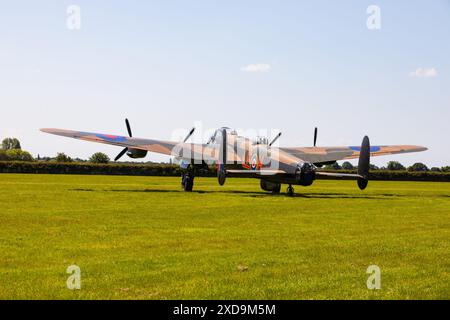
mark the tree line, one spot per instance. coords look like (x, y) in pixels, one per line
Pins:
(391, 166)
(11, 150)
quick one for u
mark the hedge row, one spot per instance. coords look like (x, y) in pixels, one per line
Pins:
(89, 168)
(174, 170)
(401, 175)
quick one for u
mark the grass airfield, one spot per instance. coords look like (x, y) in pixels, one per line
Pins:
(142, 238)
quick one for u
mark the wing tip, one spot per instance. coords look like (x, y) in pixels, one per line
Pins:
(60, 132)
(420, 148)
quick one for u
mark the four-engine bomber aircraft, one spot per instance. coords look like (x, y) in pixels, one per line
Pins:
(238, 156)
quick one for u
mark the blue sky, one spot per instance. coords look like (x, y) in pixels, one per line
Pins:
(168, 64)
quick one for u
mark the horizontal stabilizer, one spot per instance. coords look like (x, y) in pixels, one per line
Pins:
(338, 175)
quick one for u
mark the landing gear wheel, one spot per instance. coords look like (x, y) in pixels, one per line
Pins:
(187, 182)
(277, 189)
(290, 191)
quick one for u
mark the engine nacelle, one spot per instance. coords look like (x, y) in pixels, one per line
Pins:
(305, 174)
(270, 186)
(136, 153)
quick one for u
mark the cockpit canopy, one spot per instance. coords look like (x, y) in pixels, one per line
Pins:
(218, 133)
(215, 138)
(261, 140)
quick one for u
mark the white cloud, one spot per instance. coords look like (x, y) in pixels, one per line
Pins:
(424, 73)
(257, 67)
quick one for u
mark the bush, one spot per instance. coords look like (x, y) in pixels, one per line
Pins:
(400, 175)
(42, 167)
(334, 166)
(3, 156)
(99, 157)
(15, 155)
(347, 166)
(418, 166)
(62, 157)
(394, 165)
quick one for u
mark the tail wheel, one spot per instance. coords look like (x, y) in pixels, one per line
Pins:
(290, 191)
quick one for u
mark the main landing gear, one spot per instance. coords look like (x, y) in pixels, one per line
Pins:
(187, 181)
(290, 190)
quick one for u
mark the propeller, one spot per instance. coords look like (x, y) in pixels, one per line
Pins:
(121, 154)
(222, 161)
(275, 139)
(189, 134)
(128, 128)
(315, 136)
(364, 163)
(127, 123)
(211, 138)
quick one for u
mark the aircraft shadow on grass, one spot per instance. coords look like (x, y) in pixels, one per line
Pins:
(256, 194)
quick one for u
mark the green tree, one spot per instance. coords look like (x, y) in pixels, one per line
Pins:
(62, 157)
(3, 155)
(418, 166)
(395, 165)
(435, 169)
(347, 166)
(10, 144)
(17, 155)
(99, 157)
(334, 166)
(373, 167)
(445, 169)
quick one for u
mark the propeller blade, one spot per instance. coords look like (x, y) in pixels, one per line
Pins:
(128, 128)
(364, 163)
(211, 139)
(275, 139)
(222, 161)
(189, 134)
(120, 154)
(315, 136)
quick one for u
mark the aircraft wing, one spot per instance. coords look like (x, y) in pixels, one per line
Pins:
(319, 155)
(158, 146)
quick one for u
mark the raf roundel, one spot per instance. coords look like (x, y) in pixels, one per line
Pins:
(254, 161)
(112, 138)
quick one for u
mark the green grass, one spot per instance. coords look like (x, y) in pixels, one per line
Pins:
(141, 238)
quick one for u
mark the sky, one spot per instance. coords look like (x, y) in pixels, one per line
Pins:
(286, 65)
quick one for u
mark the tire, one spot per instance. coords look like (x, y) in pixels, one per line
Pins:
(290, 191)
(272, 187)
(277, 189)
(187, 182)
